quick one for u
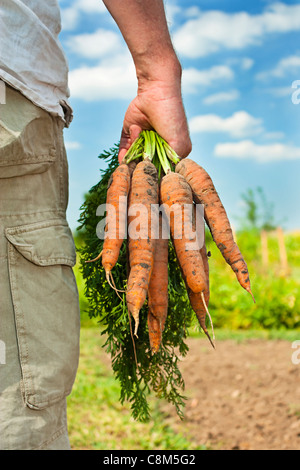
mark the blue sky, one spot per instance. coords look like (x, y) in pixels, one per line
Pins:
(240, 62)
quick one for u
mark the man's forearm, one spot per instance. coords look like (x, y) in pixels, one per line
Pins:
(158, 104)
(144, 28)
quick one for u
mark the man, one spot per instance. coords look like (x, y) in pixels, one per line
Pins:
(39, 303)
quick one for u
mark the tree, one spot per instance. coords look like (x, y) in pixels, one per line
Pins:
(259, 213)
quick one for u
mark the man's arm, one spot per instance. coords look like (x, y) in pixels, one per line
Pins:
(158, 104)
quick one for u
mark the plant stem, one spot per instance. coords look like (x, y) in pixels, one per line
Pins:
(151, 145)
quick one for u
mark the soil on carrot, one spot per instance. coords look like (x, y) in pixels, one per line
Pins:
(242, 396)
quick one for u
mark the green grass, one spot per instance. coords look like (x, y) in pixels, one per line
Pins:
(245, 335)
(97, 420)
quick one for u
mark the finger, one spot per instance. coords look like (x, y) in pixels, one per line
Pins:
(134, 131)
(127, 139)
(182, 143)
(124, 146)
(121, 155)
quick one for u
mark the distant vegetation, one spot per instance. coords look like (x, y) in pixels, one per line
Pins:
(273, 259)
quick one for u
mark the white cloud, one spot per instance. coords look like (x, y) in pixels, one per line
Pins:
(240, 124)
(95, 45)
(247, 63)
(286, 66)
(243, 63)
(192, 78)
(249, 150)
(111, 79)
(222, 97)
(280, 18)
(274, 135)
(115, 77)
(91, 6)
(281, 92)
(70, 16)
(174, 11)
(191, 12)
(171, 10)
(72, 145)
(214, 30)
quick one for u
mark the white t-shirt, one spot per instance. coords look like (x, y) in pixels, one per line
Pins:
(31, 57)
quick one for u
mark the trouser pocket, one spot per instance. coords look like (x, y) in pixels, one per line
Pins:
(27, 137)
(45, 301)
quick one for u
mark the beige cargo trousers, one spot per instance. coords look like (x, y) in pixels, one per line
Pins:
(39, 310)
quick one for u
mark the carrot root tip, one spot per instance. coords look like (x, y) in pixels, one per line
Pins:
(95, 259)
(210, 340)
(135, 315)
(133, 343)
(211, 323)
(111, 282)
(251, 293)
(136, 328)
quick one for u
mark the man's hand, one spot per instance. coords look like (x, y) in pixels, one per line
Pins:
(158, 104)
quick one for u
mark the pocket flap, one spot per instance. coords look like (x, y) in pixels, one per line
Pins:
(46, 309)
(44, 243)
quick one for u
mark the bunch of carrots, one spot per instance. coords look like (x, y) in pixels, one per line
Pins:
(152, 174)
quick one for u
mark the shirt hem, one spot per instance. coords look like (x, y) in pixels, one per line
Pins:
(62, 109)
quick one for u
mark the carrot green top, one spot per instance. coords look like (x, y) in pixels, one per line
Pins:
(150, 145)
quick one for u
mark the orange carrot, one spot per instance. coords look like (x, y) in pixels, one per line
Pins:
(114, 236)
(199, 301)
(203, 252)
(116, 207)
(144, 192)
(198, 305)
(201, 310)
(216, 218)
(131, 167)
(175, 192)
(158, 292)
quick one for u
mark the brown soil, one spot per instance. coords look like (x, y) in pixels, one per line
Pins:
(243, 396)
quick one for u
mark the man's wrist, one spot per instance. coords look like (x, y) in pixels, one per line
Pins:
(164, 69)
